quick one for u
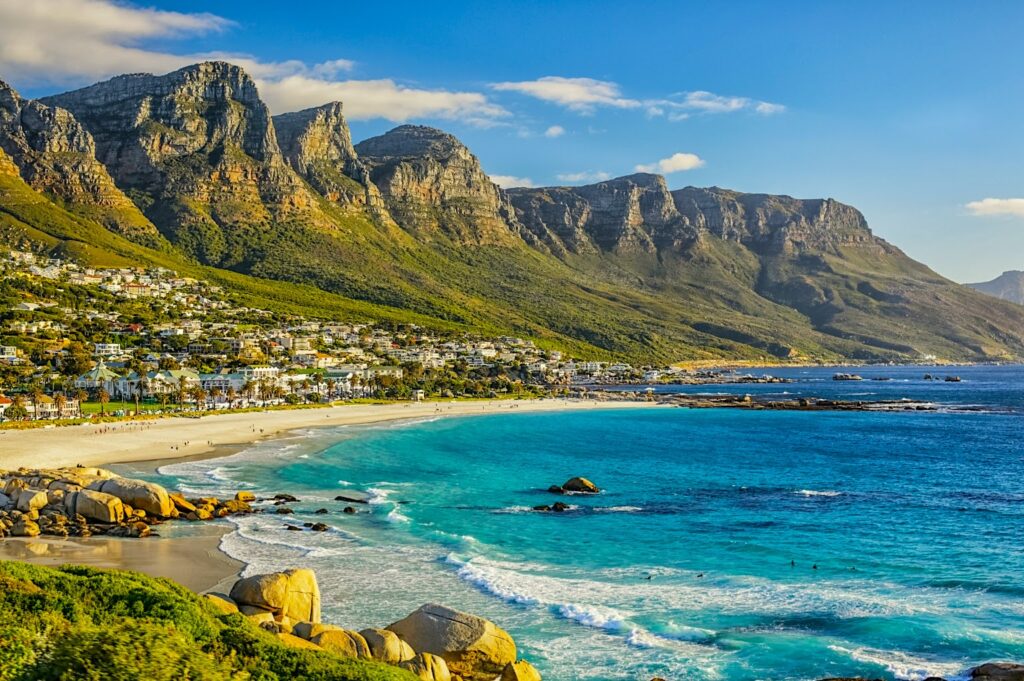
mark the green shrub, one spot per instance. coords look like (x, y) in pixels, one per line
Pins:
(78, 623)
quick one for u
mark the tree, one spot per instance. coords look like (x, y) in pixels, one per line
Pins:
(81, 396)
(232, 395)
(104, 397)
(181, 393)
(36, 394)
(199, 395)
(60, 401)
(17, 411)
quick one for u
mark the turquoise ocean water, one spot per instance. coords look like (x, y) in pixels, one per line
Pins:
(698, 560)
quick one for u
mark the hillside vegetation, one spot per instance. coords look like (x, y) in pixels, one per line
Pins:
(190, 171)
(83, 623)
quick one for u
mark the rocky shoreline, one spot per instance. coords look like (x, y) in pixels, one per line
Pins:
(434, 643)
(754, 402)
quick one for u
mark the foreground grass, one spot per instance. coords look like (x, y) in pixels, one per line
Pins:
(83, 623)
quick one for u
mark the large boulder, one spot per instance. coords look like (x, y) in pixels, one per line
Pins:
(998, 671)
(295, 642)
(30, 500)
(5, 502)
(104, 508)
(25, 528)
(385, 646)
(149, 496)
(427, 667)
(222, 603)
(474, 648)
(580, 486)
(308, 630)
(520, 671)
(293, 594)
(343, 642)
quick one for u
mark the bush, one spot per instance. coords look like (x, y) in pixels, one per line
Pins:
(74, 622)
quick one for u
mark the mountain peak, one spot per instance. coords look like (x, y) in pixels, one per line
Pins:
(413, 140)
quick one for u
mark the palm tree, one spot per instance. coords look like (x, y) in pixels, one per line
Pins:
(104, 397)
(216, 393)
(164, 399)
(181, 392)
(81, 396)
(331, 385)
(36, 394)
(199, 395)
(60, 401)
(232, 395)
(248, 389)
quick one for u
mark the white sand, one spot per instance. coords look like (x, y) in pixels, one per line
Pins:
(99, 444)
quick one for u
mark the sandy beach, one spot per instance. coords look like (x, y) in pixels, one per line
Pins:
(144, 440)
(195, 561)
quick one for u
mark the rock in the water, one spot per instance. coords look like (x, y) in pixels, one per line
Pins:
(349, 510)
(104, 508)
(998, 671)
(343, 642)
(319, 527)
(520, 671)
(181, 503)
(559, 507)
(293, 594)
(247, 497)
(474, 648)
(385, 646)
(149, 496)
(427, 667)
(580, 486)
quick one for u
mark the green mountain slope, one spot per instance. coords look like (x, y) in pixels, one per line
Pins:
(408, 226)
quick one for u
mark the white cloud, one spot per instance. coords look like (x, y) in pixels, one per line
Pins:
(578, 94)
(554, 131)
(74, 42)
(990, 207)
(365, 99)
(506, 181)
(673, 164)
(679, 107)
(584, 176)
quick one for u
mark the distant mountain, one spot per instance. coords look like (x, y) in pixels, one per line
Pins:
(1007, 286)
(189, 169)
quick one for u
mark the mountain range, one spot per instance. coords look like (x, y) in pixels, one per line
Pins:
(1007, 286)
(190, 170)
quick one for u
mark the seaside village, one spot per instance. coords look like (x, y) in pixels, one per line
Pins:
(79, 342)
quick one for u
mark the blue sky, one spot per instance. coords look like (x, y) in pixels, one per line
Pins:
(910, 111)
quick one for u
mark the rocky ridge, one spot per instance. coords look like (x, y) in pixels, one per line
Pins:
(410, 220)
(432, 185)
(1007, 286)
(56, 155)
(198, 151)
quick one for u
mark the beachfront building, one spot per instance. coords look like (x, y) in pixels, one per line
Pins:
(49, 408)
(154, 383)
(99, 378)
(106, 349)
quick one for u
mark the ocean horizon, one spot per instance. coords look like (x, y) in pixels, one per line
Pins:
(725, 544)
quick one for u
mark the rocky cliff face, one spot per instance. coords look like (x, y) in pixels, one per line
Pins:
(318, 145)
(638, 214)
(433, 185)
(774, 224)
(56, 155)
(627, 215)
(198, 151)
